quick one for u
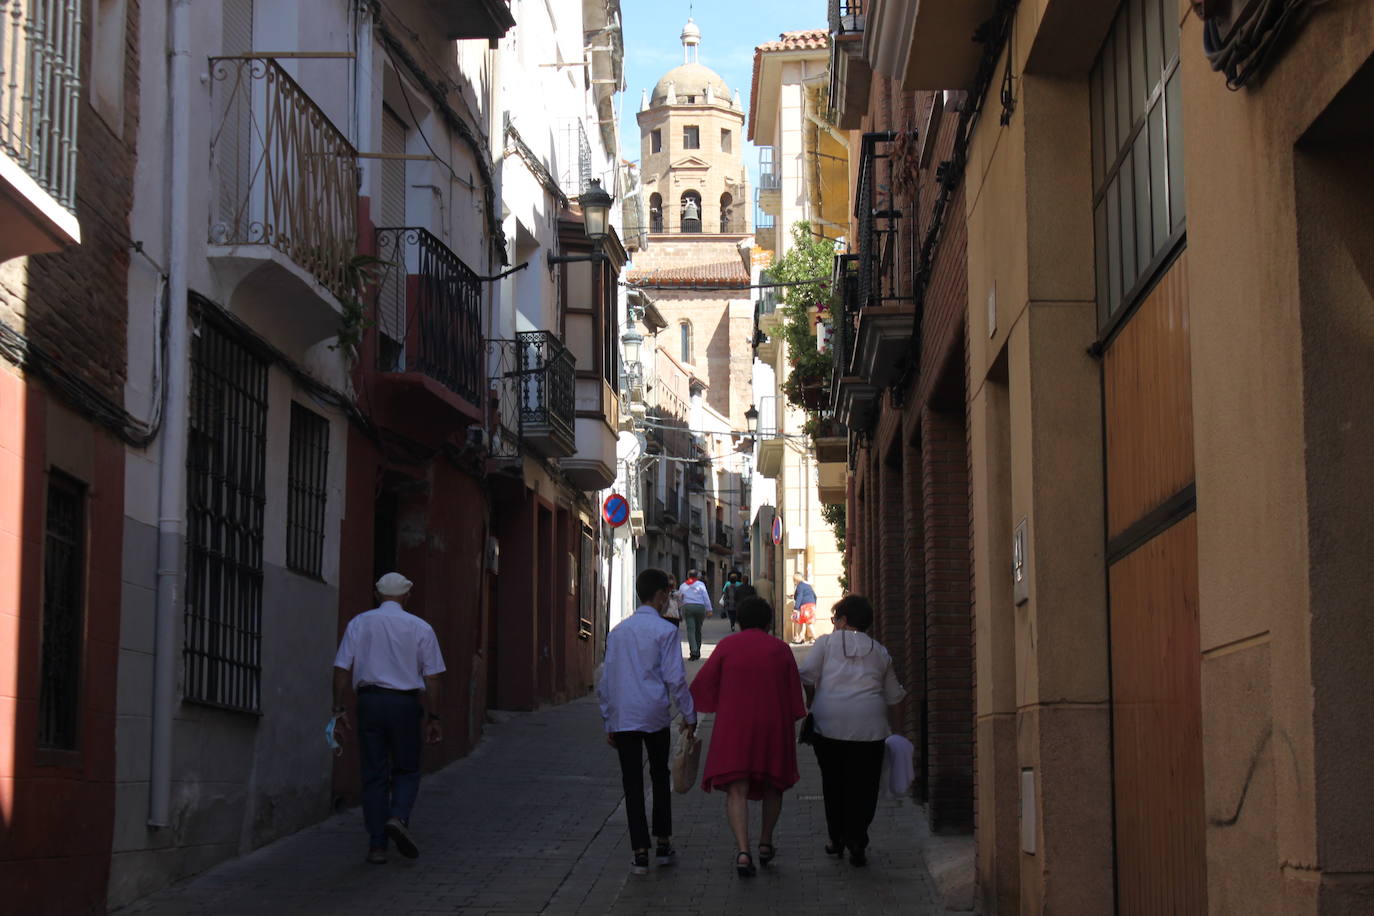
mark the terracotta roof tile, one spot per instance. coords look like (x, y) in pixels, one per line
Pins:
(802, 40)
(719, 272)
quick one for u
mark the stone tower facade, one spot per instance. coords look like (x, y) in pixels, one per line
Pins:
(691, 144)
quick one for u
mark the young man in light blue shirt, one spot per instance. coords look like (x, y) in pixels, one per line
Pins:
(643, 675)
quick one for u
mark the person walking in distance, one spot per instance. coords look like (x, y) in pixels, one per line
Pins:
(391, 659)
(696, 607)
(643, 674)
(728, 597)
(803, 610)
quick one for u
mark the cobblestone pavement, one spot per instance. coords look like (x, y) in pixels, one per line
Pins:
(532, 822)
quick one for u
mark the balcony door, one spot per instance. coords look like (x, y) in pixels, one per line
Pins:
(391, 300)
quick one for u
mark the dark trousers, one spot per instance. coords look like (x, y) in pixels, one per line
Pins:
(694, 615)
(389, 743)
(850, 771)
(628, 745)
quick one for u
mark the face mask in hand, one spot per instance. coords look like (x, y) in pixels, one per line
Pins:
(330, 739)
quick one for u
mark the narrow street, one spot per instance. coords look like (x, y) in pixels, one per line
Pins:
(534, 822)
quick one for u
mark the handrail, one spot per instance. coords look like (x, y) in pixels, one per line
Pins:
(40, 91)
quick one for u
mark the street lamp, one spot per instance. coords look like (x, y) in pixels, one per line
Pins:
(630, 343)
(751, 418)
(596, 217)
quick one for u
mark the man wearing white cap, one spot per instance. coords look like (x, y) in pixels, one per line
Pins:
(392, 660)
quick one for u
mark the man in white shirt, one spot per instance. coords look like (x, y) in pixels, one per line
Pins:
(642, 676)
(391, 659)
(696, 607)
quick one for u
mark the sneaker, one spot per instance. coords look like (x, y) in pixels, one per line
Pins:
(396, 830)
(641, 863)
(376, 856)
(665, 854)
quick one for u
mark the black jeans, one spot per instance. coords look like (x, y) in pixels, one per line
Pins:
(389, 743)
(627, 745)
(850, 771)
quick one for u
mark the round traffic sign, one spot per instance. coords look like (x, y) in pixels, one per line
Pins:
(777, 529)
(615, 510)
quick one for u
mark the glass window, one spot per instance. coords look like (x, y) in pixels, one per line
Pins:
(656, 141)
(64, 567)
(307, 468)
(691, 137)
(726, 141)
(1137, 150)
(685, 333)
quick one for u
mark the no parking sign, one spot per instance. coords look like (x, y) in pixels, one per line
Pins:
(615, 510)
(777, 529)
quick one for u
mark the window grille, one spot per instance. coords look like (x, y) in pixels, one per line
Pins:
(64, 567)
(306, 476)
(226, 470)
(1137, 151)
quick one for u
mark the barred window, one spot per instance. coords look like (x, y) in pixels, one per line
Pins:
(1137, 150)
(226, 471)
(64, 567)
(305, 484)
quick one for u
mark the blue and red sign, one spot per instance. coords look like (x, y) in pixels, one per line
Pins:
(777, 529)
(615, 510)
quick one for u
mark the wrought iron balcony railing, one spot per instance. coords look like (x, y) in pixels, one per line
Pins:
(846, 17)
(881, 255)
(40, 91)
(672, 504)
(286, 177)
(768, 172)
(534, 382)
(429, 312)
(725, 536)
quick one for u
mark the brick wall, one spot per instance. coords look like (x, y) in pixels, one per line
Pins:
(949, 657)
(914, 566)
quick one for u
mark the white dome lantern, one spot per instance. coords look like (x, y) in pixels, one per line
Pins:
(691, 38)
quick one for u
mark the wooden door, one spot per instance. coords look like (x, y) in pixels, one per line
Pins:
(1152, 587)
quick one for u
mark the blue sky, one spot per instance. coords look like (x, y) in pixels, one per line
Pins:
(729, 31)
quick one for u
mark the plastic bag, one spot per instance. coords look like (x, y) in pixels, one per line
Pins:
(686, 760)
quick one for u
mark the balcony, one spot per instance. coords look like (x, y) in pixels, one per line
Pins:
(672, 506)
(489, 19)
(696, 521)
(832, 482)
(941, 54)
(429, 331)
(770, 182)
(40, 96)
(724, 541)
(852, 398)
(850, 75)
(534, 382)
(284, 197)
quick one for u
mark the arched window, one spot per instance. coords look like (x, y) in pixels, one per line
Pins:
(655, 212)
(691, 212)
(727, 219)
(684, 328)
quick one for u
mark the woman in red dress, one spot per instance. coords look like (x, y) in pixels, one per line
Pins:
(752, 685)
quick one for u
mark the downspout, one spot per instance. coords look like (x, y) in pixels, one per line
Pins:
(172, 466)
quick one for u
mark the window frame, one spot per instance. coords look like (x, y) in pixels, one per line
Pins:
(656, 140)
(727, 142)
(307, 491)
(691, 136)
(64, 737)
(685, 340)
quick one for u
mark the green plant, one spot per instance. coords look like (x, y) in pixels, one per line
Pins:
(805, 271)
(360, 273)
(834, 515)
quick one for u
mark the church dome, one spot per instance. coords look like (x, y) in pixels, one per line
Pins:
(691, 80)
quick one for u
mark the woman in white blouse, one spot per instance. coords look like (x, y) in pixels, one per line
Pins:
(853, 693)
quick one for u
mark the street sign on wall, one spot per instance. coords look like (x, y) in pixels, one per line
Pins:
(777, 529)
(615, 510)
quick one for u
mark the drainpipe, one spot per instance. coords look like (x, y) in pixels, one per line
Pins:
(172, 466)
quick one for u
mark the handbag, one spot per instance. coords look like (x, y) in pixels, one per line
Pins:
(686, 760)
(807, 735)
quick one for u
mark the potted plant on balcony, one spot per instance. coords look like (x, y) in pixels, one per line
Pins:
(805, 274)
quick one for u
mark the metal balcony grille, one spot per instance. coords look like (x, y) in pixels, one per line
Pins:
(40, 91)
(846, 16)
(768, 174)
(226, 471)
(307, 470)
(534, 382)
(442, 326)
(287, 177)
(64, 577)
(575, 158)
(882, 259)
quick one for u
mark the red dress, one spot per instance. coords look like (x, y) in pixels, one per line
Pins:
(751, 683)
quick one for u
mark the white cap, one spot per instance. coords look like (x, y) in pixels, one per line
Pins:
(393, 585)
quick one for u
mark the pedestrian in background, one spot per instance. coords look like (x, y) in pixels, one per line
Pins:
(853, 693)
(727, 598)
(672, 611)
(803, 609)
(391, 658)
(696, 605)
(643, 674)
(752, 685)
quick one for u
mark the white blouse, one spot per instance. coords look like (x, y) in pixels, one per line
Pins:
(854, 682)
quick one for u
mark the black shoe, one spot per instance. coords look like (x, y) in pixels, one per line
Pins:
(858, 858)
(746, 868)
(640, 866)
(396, 830)
(665, 854)
(766, 858)
(834, 849)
